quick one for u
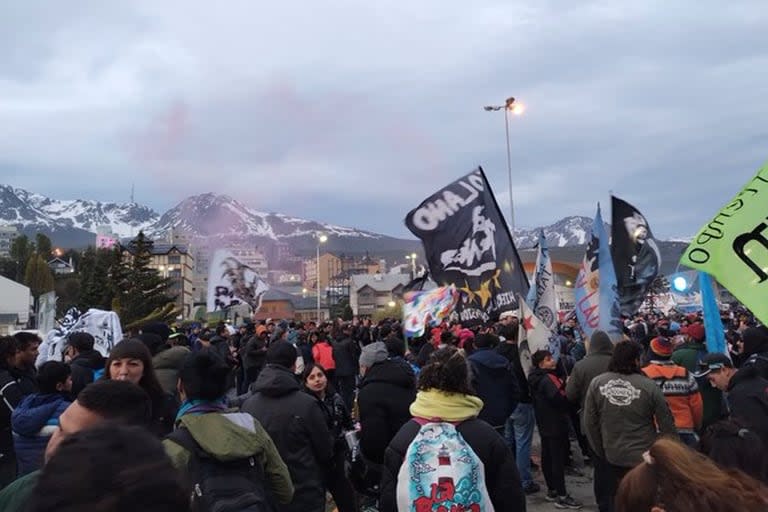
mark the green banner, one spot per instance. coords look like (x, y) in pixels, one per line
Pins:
(733, 246)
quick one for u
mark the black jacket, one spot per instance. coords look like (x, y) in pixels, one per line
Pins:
(494, 382)
(27, 380)
(501, 476)
(748, 400)
(550, 404)
(10, 397)
(297, 424)
(512, 353)
(383, 401)
(346, 355)
(83, 367)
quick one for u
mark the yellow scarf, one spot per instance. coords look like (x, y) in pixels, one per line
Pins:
(437, 405)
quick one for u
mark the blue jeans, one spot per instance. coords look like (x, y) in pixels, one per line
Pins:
(519, 433)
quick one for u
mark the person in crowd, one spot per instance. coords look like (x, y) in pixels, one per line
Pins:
(672, 477)
(339, 423)
(754, 342)
(254, 354)
(11, 395)
(732, 445)
(101, 402)
(131, 361)
(387, 389)
(297, 425)
(203, 423)
(679, 388)
(87, 364)
(747, 391)
(167, 362)
(689, 355)
(111, 468)
(551, 407)
(518, 431)
(445, 395)
(27, 344)
(493, 382)
(322, 354)
(346, 354)
(37, 416)
(624, 412)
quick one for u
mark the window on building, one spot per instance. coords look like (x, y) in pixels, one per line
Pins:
(174, 258)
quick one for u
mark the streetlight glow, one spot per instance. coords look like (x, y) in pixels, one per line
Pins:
(517, 109)
(391, 304)
(323, 239)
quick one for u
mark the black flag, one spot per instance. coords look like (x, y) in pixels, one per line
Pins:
(467, 244)
(635, 253)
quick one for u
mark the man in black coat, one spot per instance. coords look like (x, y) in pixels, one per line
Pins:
(346, 354)
(493, 382)
(386, 392)
(86, 362)
(297, 425)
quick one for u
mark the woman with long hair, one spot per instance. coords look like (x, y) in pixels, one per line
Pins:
(131, 360)
(315, 379)
(674, 478)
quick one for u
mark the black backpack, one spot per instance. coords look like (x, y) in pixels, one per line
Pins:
(217, 486)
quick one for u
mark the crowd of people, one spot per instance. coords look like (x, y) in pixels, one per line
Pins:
(281, 415)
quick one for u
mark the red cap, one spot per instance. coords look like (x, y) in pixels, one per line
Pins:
(696, 332)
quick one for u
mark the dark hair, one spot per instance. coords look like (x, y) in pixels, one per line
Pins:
(385, 330)
(308, 369)
(625, 358)
(25, 339)
(731, 445)
(50, 374)
(203, 376)
(447, 338)
(486, 340)
(395, 347)
(81, 340)
(135, 349)
(7, 349)
(539, 356)
(446, 371)
(221, 328)
(117, 400)
(109, 468)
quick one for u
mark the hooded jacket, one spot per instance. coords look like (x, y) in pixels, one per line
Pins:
(621, 414)
(501, 476)
(228, 437)
(550, 404)
(748, 400)
(386, 392)
(511, 352)
(83, 367)
(756, 349)
(595, 363)
(494, 383)
(34, 421)
(167, 364)
(688, 356)
(346, 354)
(297, 425)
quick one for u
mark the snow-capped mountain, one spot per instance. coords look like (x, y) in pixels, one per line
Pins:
(563, 233)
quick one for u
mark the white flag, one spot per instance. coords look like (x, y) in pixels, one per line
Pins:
(104, 326)
(542, 298)
(231, 282)
(533, 336)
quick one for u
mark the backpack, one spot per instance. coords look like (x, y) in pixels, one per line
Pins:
(218, 486)
(441, 472)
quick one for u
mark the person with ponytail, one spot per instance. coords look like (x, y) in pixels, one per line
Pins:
(445, 395)
(674, 478)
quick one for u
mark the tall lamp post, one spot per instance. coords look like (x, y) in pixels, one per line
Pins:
(321, 239)
(516, 108)
(412, 257)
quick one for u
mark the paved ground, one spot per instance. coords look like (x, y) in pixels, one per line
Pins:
(580, 487)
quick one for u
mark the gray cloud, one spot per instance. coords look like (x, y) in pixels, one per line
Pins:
(354, 112)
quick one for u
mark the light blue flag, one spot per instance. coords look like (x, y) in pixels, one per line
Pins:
(713, 325)
(597, 301)
(541, 297)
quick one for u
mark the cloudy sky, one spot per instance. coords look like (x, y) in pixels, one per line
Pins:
(353, 112)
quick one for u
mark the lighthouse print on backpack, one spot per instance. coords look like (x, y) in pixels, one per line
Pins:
(441, 473)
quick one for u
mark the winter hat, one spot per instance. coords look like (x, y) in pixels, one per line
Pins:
(696, 332)
(600, 342)
(661, 347)
(261, 329)
(152, 341)
(755, 340)
(282, 354)
(465, 335)
(159, 328)
(373, 353)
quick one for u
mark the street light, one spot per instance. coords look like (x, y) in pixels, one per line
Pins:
(321, 239)
(516, 108)
(412, 257)
(391, 304)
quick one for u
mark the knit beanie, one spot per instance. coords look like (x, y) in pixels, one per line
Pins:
(373, 353)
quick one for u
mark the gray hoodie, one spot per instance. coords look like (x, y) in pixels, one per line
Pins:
(597, 361)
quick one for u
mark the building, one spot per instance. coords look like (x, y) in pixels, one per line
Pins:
(371, 292)
(61, 267)
(7, 235)
(279, 305)
(15, 304)
(105, 238)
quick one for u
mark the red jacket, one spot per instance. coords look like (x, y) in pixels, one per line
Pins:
(322, 353)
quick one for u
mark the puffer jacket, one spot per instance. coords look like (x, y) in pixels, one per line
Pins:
(84, 368)
(33, 422)
(494, 383)
(322, 353)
